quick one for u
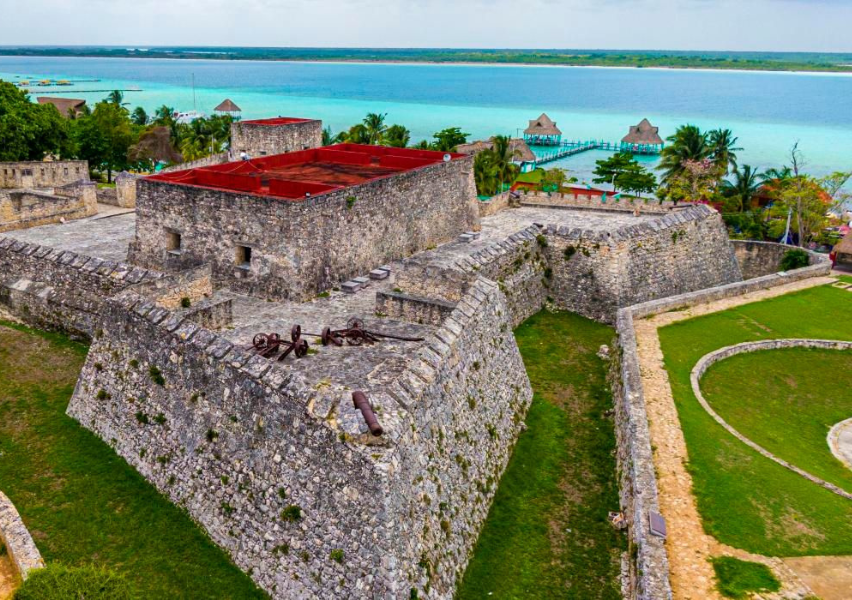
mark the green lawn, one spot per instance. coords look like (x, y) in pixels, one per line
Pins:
(82, 503)
(845, 278)
(790, 406)
(746, 500)
(547, 534)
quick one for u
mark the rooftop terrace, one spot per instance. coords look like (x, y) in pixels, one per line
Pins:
(297, 175)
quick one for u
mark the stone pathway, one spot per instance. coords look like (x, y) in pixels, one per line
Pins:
(840, 442)
(830, 577)
(689, 547)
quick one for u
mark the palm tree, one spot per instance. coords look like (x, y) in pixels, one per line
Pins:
(397, 136)
(504, 154)
(116, 97)
(164, 115)
(139, 117)
(745, 186)
(328, 137)
(486, 173)
(724, 149)
(776, 174)
(374, 123)
(688, 143)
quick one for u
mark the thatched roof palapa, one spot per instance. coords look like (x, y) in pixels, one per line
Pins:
(227, 106)
(155, 144)
(518, 146)
(65, 106)
(844, 246)
(542, 126)
(644, 133)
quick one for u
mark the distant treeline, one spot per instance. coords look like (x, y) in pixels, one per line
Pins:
(763, 61)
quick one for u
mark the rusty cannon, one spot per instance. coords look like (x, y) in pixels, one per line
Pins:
(355, 334)
(268, 345)
(359, 399)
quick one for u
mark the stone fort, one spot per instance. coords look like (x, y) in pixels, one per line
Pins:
(384, 455)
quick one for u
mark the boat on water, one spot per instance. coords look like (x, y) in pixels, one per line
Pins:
(188, 117)
(63, 82)
(24, 83)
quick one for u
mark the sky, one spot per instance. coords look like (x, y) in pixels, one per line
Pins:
(761, 25)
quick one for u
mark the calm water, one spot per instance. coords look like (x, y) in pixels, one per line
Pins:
(768, 111)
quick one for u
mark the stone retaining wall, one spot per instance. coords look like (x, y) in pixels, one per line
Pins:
(56, 289)
(708, 360)
(648, 578)
(762, 258)
(19, 543)
(207, 161)
(23, 209)
(497, 203)
(595, 274)
(242, 442)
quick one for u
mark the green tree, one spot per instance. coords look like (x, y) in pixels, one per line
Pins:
(116, 97)
(740, 192)
(329, 138)
(139, 116)
(486, 173)
(375, 128)
(30, 131)
(688, 143)
(637, 180)
(447, 140)
(609, 169)
(503, 156)
(802, 197)
(164, 115)
(553, 179)
(397, 136)
(104, 137)
(723, 145)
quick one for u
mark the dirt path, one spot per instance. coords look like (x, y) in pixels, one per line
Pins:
(689, 547)
(8, 578)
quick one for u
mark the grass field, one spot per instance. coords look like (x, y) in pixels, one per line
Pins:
(746, 500)
(790, 406)
(82, 503)
(547, 535)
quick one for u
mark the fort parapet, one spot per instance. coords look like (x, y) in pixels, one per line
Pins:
(42, 174)
(265, 137)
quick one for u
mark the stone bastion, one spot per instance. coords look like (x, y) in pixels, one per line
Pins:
(273, 459)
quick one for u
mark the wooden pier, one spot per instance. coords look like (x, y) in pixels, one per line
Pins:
(565, 149)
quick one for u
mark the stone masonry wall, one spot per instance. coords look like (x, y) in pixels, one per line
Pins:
(227, 436)
(56, 289)
(42, 174)
(296, 248)
(757, 259)
(648, 573)
(17, 539)
(302, 499)
(25, 208)
(261, 140)
(467, 395)
(594, 274)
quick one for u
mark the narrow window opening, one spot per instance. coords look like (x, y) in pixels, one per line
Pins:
(173, 242)
(243, 257)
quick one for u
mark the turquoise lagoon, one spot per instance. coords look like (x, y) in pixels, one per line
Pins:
(769, 112)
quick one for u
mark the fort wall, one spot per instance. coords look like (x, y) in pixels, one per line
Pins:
(595, 274)
(238, 441)
(55, 289)
(301, 248)
(21, 209)
(42, 174)
(257, 139)
(757, 259)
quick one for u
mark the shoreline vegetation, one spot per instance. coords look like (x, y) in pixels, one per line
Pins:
(660, 59)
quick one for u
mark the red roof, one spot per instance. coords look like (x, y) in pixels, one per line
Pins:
(276, 121)
(297, 175)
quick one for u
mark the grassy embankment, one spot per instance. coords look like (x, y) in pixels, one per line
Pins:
(746, 500)
(547, 534)
(84, 504)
